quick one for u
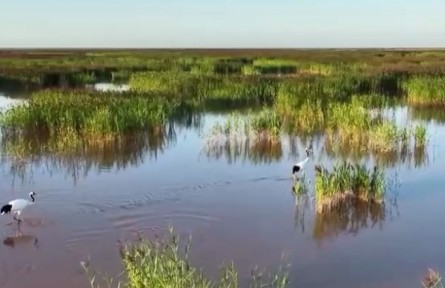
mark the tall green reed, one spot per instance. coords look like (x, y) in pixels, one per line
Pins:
(346, 182)
(87, 113)
(425, 90)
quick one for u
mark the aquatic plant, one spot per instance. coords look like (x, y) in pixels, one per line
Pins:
(204, 89)
(425, 90)
(300, 186)
(165, 264)
(420, 135)
(275, 66)
(346, 182)
(90, 114)
(260, 125)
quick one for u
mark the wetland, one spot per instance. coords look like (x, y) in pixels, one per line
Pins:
(121, 146)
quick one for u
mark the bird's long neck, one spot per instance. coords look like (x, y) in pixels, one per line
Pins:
(32, 199)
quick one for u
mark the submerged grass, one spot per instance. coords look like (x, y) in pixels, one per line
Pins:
(347, 182)
(165, 264)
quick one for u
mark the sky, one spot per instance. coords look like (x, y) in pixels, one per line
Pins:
(222, 24)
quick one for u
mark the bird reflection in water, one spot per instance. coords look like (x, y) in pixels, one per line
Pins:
(20, 239)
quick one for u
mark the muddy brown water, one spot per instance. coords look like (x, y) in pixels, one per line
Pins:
(236, 204)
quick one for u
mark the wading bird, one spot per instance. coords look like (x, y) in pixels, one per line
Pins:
(300, 165)
(16, 206)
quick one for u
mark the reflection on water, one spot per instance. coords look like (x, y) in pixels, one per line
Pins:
(408, 156)
(430, 114)
(22, 154)
(266, 152)
(256, 152)
(20, 239)
(127, 151)
(349, 217)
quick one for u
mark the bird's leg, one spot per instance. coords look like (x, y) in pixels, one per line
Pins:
(18, 219)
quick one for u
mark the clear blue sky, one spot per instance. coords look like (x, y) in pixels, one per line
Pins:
(224, 23)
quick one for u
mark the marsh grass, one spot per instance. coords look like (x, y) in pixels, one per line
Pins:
(420, 135)
(202, 88)
(164, 263)
(346, 182)
(254, 125)
(253, 135)
(348, 124)
(96, 116)
(300, 186)
(425, 90)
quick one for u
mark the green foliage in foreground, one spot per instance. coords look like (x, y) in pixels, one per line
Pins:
(163, 264)
(87, 113)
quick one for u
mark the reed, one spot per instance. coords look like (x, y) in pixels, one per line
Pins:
(300, 187)
(264, 124)
(205, 89)
(28, 64)
(165, 263)
(91, 114)
(425, 90)
(346, 182)
(420, 135)
(275, 66)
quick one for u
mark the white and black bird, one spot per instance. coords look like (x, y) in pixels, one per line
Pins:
(300, 165)
(16, 206)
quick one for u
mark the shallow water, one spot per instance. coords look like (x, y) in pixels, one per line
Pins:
(236, 203)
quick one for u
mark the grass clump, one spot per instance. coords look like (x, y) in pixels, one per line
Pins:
(264, 124)
(420, 135)
(425, 90)
(165, 264)
(89, 114)
(348, 182)
(202, 89)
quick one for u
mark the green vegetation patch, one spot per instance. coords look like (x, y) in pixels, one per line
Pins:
(165, 264)
(91, 114)
(348, 182)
